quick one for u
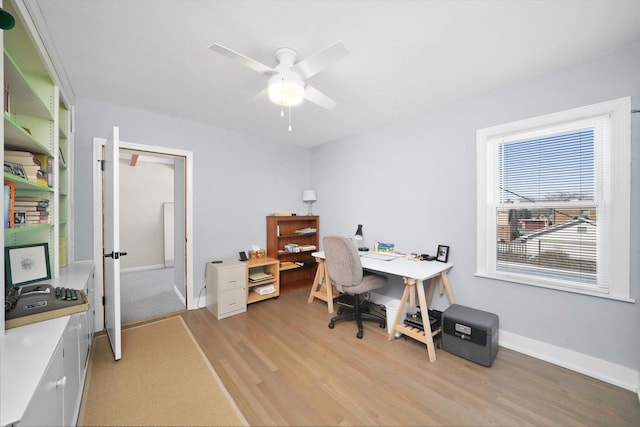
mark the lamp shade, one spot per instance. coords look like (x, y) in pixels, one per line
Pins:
(309, 196)
(286, 89)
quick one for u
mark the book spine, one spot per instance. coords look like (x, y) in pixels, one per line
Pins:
(9, 198)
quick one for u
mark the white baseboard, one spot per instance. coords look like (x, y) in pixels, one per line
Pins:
(179, 294)
(201, 302)
(588, 365)
(603, 370)
(143, 268)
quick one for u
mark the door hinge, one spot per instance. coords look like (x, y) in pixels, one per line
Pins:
(101, 165)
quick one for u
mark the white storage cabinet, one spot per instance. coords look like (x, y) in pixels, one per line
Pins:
(226, 288)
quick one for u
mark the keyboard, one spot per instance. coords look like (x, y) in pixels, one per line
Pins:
(66, 294)
(40, 298)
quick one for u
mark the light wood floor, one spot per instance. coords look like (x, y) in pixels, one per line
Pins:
(284, 366)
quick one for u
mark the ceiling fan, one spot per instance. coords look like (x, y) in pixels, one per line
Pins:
(287, 81)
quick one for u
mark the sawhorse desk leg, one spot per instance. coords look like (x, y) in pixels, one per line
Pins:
(424, 336)
(322, 287)
(444, 287)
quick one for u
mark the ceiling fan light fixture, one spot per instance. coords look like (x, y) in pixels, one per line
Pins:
(286, 91)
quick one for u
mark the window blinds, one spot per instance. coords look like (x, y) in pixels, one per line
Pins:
(548, 202)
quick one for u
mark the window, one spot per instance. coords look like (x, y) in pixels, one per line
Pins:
(553, 200)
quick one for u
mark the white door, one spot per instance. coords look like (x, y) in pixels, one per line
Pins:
(111, 238)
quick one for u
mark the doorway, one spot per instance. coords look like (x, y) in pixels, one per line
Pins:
(150, 283)
(174, 270)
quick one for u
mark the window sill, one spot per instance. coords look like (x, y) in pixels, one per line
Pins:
(518, 280)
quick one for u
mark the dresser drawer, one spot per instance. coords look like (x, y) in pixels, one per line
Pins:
(232, 301)
(231, 278)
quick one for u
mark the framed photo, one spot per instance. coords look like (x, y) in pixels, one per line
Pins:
(26, 264)
(19, 218)
(443, 253)
(16, 169)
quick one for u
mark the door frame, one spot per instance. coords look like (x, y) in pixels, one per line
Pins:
(98, 144)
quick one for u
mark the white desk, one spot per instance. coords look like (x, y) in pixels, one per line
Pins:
(414, 274)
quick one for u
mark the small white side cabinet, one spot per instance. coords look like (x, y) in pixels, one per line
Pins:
(48, 404)
(226, 288)
(56, 401)
(43, 365)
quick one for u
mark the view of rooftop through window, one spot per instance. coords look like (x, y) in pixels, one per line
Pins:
(546, 216)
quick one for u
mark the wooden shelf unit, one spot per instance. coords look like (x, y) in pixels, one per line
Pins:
(269, 266)
(297, 269)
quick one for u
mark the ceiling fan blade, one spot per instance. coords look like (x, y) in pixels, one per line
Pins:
(258, 96)
(317, 62)
(244, 60)
(312, 94)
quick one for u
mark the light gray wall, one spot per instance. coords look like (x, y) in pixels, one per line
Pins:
(237, 179)
(144, 188)
(414, 184)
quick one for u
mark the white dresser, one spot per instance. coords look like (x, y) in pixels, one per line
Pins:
(226, 288)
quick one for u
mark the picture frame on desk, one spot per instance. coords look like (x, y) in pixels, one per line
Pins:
(26, 264)
(443, 253)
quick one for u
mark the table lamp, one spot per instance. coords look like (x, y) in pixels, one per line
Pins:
(309, 196)
(359, 238)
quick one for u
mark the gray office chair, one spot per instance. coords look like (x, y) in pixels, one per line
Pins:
(345, 272)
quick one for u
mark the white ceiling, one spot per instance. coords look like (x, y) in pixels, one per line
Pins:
(406, 57)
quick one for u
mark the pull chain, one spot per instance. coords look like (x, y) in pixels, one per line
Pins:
(289, 118)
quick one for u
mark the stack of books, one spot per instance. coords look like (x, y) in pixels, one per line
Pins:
(34, 167)
(30, 211)
(307, 230)
(259, 277)
(291, 247)
(385, 247)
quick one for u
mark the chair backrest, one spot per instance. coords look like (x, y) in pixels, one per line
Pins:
(342, 261)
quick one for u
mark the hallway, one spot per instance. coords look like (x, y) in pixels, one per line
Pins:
(148, 293)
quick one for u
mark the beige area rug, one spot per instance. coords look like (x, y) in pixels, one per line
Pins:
(162, 379)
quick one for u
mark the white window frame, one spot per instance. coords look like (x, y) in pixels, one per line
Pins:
(616, 199)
